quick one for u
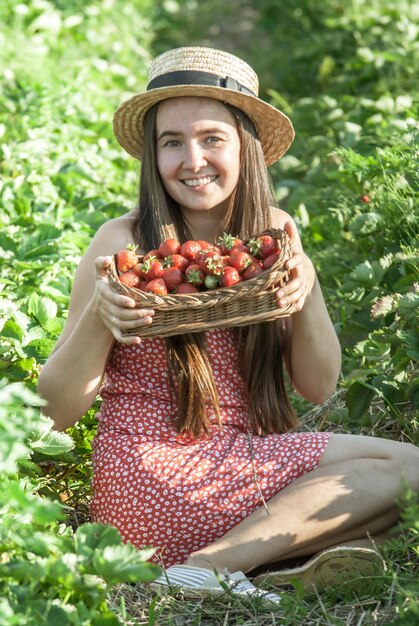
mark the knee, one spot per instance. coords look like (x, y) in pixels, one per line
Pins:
(408, 461)
(410, 454)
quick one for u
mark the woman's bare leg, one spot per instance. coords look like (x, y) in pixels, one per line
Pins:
(353, 493)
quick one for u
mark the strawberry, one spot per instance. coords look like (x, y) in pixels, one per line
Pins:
(240, 260)
(365, 198)
(172, 276)
(186, 288)
(130, 279)
(210, 262)
(139, 269)
(152, 268)
(194, 274)
(230, 277)
(168, 247)
(211, 281)
(263, 246)
(189, 249)
(176, 260)
(152, 253)
(204, 244)
(201, 253)
(252, 270)
(270, 260)
(227, 242)
(126, 259)
(156, 286)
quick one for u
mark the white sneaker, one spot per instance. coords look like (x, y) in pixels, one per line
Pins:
(198, 581)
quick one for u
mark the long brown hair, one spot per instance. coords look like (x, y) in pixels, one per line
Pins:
(263, 346)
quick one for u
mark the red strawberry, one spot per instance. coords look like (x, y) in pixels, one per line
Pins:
(204, 244)
(270, 260)
(168, 247)
(211, 262)
(186, 288)
(139, 269)
(152, 253)
(130, 279)
(156, 286)
(176, 260)
(263, 246)
(365, 198)
(194, 274)
(126, 259)
(172, 276)
(152, 268)
(227, 242)
(189, 249)
(201, 253)
(230, 277)
(240, 260)
(253, 270)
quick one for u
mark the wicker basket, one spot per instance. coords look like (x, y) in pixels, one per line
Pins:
(248, 302)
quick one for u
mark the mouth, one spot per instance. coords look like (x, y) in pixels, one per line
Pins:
(199, 182)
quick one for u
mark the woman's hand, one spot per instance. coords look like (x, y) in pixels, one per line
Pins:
(117, 312)
(302, 273)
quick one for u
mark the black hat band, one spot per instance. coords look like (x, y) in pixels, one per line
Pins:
(192, 77)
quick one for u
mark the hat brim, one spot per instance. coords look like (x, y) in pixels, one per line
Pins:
(274, 128)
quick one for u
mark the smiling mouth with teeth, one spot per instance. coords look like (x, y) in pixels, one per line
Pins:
(197, 182)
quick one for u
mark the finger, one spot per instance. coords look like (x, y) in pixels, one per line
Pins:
(294, 236)
(294, 261)
(292, 231)
(292, 293)
(128, 340)
(102, 263)
(114, 298)
(119, 328)
(143, 318)
(298, 306)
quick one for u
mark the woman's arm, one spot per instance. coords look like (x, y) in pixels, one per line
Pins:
(315, 349)
(70, 379)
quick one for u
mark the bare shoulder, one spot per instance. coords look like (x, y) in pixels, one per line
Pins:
(112, 236)
(279, 217)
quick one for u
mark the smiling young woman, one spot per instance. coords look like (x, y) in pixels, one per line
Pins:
(196, 436)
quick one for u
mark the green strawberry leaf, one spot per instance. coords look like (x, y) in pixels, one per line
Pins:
(117, 564)
(358, 399)
(42, 309)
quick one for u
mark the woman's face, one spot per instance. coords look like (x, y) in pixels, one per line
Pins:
(198, 152)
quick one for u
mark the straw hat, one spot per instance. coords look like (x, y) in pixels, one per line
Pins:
(205, 72)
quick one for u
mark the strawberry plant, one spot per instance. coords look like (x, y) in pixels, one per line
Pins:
(48, 573)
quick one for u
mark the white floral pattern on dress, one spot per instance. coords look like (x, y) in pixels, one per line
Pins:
(178, 495)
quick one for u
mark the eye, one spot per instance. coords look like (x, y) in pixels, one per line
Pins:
(172, 143)
(213, 139)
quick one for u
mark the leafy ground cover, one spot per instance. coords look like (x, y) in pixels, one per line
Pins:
(345, 74)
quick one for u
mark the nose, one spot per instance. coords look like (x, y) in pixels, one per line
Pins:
(194, 158)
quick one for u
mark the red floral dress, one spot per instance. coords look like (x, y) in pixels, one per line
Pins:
(163, 490)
